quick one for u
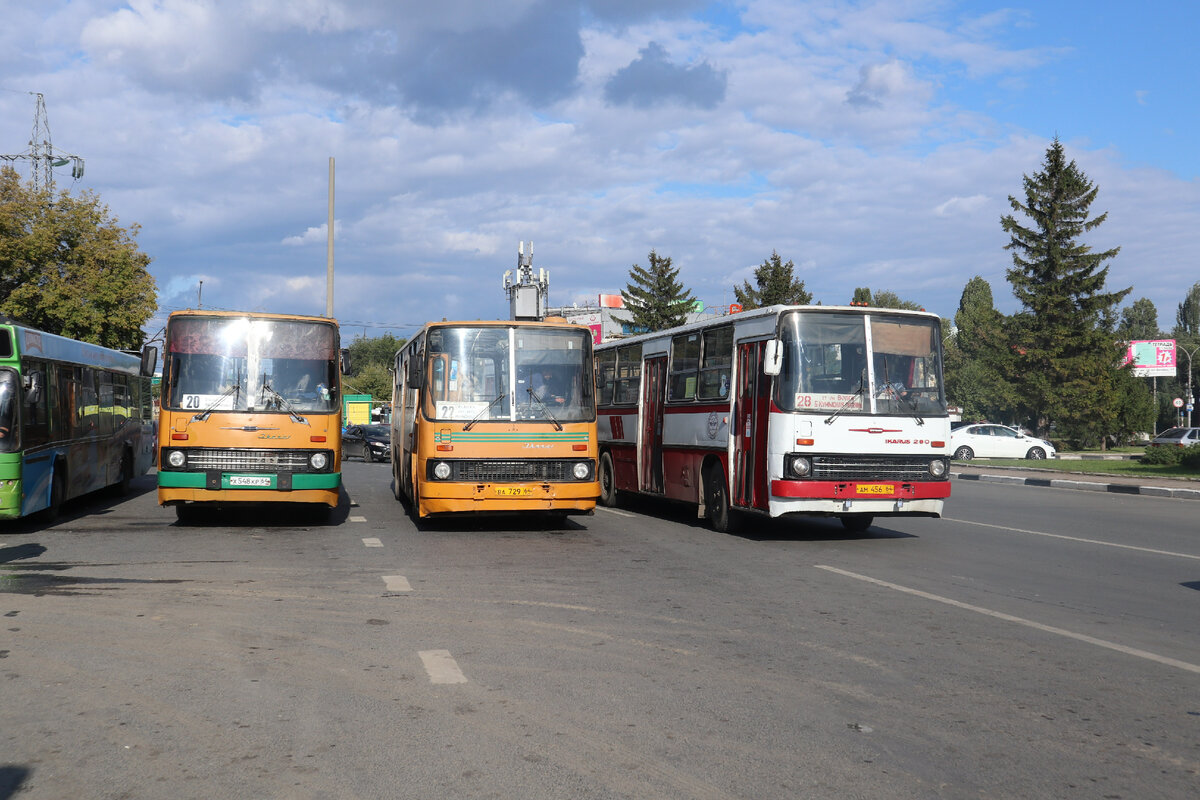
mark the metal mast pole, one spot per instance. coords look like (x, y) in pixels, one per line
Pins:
(329, 249)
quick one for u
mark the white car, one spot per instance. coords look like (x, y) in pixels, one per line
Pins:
(996, 441)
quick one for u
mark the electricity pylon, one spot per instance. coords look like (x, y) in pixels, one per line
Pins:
(41, 153)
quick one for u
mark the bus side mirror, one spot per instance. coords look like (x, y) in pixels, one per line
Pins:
(344, 360)
(773, 357)
(149, 360)
(33, 391)
(413, 380)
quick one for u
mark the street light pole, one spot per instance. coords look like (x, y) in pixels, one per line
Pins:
(1190, 402)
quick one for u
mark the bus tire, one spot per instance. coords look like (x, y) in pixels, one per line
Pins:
(58, 494)
(122, 486)
(716, 500)
(608, 481)
(857, 523)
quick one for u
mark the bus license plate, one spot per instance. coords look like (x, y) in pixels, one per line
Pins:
(514, 491)
(875, 488)
(256, 481)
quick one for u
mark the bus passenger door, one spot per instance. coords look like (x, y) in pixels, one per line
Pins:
(750, 428)
(654, 383)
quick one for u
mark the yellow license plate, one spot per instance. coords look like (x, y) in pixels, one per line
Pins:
(514, 491)
(875, 488)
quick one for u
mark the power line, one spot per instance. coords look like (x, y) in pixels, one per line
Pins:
(41, 155)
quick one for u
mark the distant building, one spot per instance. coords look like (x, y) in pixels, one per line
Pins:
(605, 318)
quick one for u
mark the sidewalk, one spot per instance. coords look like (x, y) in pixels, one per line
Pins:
(1179, 488)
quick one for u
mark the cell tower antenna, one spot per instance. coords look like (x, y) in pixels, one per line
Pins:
(41, 155)
(526, 291)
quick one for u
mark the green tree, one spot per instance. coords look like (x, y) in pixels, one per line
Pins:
(1066, 345)
(775, 284)
(654, 297)
(862, 297)
(979, 358)
(369, 363)
(1139, 321)
(1187, 318)
(67, 267)
(889, 299)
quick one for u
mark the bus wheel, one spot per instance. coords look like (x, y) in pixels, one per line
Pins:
(716, 499)
(857, 523)
(123, 482)
(608, 481)
(58, 493)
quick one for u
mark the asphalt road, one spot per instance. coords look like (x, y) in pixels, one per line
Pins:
(1034, 643)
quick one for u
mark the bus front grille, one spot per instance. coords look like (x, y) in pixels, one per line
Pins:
(249, 460)
(873, 468)
(516, 471)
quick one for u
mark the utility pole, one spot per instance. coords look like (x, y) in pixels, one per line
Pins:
(41, 155)
(329, 249)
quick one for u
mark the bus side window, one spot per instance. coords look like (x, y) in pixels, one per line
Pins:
(717, 358)
(629, 374)
(36, 425)
(606, 376)
(685, 365)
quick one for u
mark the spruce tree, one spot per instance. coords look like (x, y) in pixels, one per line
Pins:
(776, 284)
(654, 297)
(978, 357)
(1065, 339)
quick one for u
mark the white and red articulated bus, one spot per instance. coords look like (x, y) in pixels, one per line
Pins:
(784, 410)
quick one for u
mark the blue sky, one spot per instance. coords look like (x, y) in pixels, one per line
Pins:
(872, 143)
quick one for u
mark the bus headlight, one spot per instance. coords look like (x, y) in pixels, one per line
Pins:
(937, 468)
(582, 471)
(441, 470)
(799, 467)
(318, 460)
(176, 459)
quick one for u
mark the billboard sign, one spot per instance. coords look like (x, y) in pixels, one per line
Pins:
(1152, 358)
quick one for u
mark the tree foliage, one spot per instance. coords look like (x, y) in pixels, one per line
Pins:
(979, 357)
(654, 297)
(1139, 321)
(1065, 337)
(775, 284)
(369, 362)
(67, 267)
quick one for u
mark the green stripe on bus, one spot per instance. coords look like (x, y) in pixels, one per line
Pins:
(196, 480)
(181, 480)
(455, 436)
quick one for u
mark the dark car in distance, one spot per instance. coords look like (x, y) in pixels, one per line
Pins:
(369, 442)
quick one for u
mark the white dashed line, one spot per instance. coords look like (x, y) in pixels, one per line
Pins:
(1081, 637)
(358, 519)
(1075, 539)
(614, 511)
(396, 583)
(372, 543)
(441, 666)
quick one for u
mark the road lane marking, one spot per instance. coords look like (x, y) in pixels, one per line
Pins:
(1075, 539)
(1082, 637)
(358, 519)
(614, 511)
(371, 542)
(441, 666)
(396, 583)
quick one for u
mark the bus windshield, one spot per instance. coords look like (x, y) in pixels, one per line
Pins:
(242, 364)
(471, 374)
(8, 411)
(860, 364)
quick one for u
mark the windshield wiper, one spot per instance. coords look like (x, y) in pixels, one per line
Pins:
(857, 393)
(557, 425)
(280, 400)
(895, 397)
(479, 416)
(204, 415)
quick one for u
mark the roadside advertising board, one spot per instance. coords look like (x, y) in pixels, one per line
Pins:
(1152, 358)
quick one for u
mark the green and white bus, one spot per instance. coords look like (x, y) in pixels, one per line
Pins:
(74, 417)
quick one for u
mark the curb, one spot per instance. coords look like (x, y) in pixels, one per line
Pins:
(1087, 486)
